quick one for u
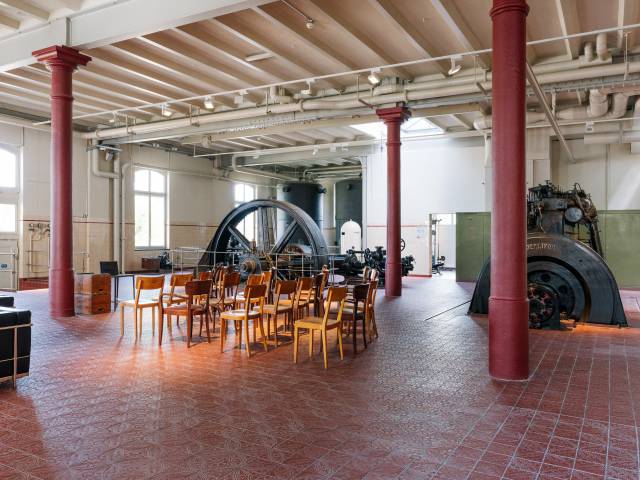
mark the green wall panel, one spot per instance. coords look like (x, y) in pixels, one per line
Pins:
(619, 231)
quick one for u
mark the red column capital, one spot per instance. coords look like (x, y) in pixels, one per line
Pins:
(501, 6)
(393, 114)
(61, 56)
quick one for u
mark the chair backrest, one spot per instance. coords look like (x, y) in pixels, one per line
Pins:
(374, 275)
(180, 279)
(230, 284)
(335, 295)
(206, 275)
(361, 292)
(255, 279)
(366, 272)
(254, 292)
(109, 267)
(198, 288)
(286, 287)
(267, 278)
(149, 283)
(371, 295)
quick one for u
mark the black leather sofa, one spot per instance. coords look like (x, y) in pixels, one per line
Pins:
(14, 364)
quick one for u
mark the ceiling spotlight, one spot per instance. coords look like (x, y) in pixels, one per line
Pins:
(308, 90)
(166, 111)
(454, 68)
(373, 77)
(208, 103)
(309, 23)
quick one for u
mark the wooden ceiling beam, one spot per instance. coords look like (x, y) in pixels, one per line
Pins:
(27, 9)
(339, 18)
(393, 14)
(231, 25)
(9, 22)
(569, 23)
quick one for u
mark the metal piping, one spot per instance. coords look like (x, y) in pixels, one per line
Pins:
(425, 91)
(260, 173)
(533, 81)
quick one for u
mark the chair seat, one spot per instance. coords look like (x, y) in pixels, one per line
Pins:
(269, 308)
(238, 314)
(141, 303)
(315, 323)
(183, 309)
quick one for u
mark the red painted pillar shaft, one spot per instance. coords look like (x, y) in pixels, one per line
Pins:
(508, 305)
(393, 118)
(62, 62)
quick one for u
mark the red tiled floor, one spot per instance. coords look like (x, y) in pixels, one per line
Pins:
(417, 404)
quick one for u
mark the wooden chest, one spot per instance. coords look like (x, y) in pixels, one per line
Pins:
(90, 283)
(93, 293)
(151, 263)
(93, 304)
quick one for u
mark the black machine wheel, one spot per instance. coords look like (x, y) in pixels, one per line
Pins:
(543, 305)
(299, 246)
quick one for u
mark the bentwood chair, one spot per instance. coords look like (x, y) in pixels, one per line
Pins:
(272, 310)
(253, 279)
(352, 313)
(253, 294)
(144, 284)
(322, 324)
(226, 299)
(300, 302)
(194, 290)
(370, 309)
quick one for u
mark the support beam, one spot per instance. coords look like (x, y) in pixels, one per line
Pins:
(9, 22)
(26, 8)
(450, 14)
(62, 61)
(508, 304)
(569, 23)
(112, 22)
(393, 118)
(393, 13)
(463, 121)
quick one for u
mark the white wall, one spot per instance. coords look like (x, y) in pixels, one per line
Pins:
(196, 202)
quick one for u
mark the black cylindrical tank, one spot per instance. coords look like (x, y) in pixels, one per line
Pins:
(307, 196)
(348, 204)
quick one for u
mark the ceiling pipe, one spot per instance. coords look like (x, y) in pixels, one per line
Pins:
(260, 173)
(533, 82)
(629, 136)
(407, 95)
(601, 47)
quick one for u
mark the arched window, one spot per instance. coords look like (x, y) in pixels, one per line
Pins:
(8, 190)
(150, 208)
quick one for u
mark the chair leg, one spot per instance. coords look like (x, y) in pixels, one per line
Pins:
(324, 349)
(206, 317)
(295, 345)
(246, 335)
(354, 332)
(340, 341)
(264, 338)
(160, 330)
(189, 322)
(153, 321)
(121, 320)
(364, 329)
(200, 330)
(311, 333)
(223, 333)
(275, 327)
(135, 318)
(373, 322)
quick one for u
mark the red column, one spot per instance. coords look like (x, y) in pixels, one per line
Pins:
(393, 118)
(62, 62)
(508, 306)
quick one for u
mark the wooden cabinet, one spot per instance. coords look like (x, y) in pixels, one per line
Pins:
(93, 293)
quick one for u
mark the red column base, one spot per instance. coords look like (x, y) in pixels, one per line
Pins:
(61, 299)
(393, 280)
(508, 339)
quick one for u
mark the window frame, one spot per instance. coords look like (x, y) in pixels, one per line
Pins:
(16, 154)
(236, 203)
(11, 195)
(149, 194)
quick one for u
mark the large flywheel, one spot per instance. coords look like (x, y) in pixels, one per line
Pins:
(262, 234)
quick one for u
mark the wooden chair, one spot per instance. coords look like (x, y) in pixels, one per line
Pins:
(272, 310)
(366, 273)
(253, 294)
(155, 283)
(268, 280)
(301, 299)
(373, 275)
(226, 299)
(195, 290)
(317, 295)
(178, 280)
(370, 313)
(253, 279)
(351, 313)
(218, 275)
(322, 324)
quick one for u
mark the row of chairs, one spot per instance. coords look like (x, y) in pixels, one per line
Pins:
(216, 294)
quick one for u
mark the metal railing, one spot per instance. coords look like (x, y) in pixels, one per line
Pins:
(289, 265)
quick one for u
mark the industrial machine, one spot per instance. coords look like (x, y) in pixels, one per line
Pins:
(296, 248)
(568, 277)
(352, 266)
